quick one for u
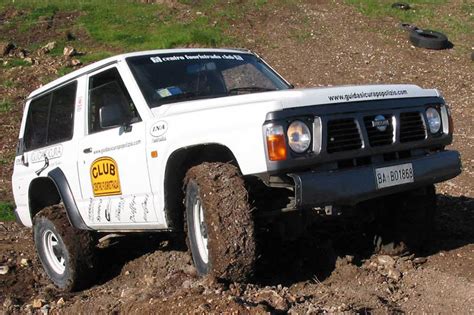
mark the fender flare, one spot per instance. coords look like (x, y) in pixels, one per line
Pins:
(62, 185)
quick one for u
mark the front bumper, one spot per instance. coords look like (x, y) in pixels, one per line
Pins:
(348, 187)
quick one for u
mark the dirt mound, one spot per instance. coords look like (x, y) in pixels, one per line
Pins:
(316, 43)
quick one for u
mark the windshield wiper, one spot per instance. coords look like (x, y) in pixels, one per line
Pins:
(186, 96)
(249, 89)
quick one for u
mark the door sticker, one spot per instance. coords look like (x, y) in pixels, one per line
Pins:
(105, 177)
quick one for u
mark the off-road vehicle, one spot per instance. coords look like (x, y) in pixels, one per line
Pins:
(210, 141)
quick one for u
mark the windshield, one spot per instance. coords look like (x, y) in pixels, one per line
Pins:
(169, 78)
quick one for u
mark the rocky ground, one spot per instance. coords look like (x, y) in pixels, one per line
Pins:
(314, 44)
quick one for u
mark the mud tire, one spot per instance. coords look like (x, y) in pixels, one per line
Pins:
(406, 221)
(77, 247)
(228, 220)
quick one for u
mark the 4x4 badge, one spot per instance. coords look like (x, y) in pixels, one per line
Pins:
(381, 123)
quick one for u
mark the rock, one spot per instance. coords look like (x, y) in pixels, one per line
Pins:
(38, 303)
(76, 62)
(385, 261)
(45, 309)
(24, 262)
(8, 303)
(48, 47)
(187, 284)
(272, 298)
(6, 47)
(60, 302)
(4, 270)
(69, 51)
(29, 60)
(394, 274)
(420, 260)
(22, 53)
(190, 270)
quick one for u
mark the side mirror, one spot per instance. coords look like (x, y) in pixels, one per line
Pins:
(112, 116)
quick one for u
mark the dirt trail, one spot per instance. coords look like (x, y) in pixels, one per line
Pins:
(318, 43)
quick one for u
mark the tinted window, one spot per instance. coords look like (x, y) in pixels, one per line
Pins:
(61, 120)
(36, 128)
(51, 118)
(107, 89)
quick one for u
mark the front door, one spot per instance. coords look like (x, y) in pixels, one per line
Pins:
(112, 164)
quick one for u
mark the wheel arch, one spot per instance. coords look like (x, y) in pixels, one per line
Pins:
(177, 165)
(51, 190)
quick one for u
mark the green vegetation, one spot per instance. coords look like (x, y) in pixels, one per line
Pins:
(8, 83)
(455, 20)
(129, 25)
(6, 212)
(126, 24)
(15, 63)
(7, 158)
(5, 105)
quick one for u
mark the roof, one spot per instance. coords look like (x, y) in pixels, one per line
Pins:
(111, 60)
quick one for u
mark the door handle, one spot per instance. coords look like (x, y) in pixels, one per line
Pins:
(87, 150)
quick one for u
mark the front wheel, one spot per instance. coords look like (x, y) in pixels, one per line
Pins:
(405, 221)
(67, 254)
(220, 226)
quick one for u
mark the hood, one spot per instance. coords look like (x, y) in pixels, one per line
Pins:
(304, 97)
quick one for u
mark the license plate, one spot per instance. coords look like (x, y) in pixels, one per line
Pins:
(394, 175)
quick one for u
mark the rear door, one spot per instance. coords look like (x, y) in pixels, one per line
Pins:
(46, 143)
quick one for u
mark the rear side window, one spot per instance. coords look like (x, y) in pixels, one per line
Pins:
(51, 118)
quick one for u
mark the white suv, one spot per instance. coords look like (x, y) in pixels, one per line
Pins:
(211, 141)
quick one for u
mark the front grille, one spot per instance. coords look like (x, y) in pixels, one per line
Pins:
(377, 137)
(343, 135)
(411, 127)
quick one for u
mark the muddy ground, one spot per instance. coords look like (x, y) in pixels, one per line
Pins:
(311, 275)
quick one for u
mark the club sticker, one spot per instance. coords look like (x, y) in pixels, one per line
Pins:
(105, 177)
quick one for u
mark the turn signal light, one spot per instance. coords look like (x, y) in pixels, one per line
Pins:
(276, 144)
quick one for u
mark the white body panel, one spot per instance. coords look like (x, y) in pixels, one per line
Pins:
(234, 122)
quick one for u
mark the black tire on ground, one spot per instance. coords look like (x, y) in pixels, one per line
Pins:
(429, 39)
(219, 221)
(67, 254)
(405, 222)
(401, 6)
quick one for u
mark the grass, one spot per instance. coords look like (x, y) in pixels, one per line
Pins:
(457, 21)
(6, 212)
(15, 63)
(7, 158)
(8, 83)
(129, 25)
(126, 24)
(5, 105)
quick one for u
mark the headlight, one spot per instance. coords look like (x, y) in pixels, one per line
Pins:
(434, 119)
(299, 136)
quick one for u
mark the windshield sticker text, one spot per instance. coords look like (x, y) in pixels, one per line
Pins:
(158, 59)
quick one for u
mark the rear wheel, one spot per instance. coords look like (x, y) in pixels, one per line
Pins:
(220, 226)
(67, 254)
(406, 221)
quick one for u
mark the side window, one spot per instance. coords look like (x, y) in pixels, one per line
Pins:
(110, 104)
(61, 119)
(50, 118)
(36, 128)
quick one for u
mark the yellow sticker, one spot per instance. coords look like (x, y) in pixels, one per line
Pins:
(105, 177)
